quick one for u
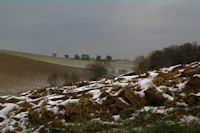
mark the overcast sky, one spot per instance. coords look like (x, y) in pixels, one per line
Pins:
(120, 28)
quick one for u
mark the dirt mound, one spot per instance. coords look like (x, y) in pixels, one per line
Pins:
(161, 90)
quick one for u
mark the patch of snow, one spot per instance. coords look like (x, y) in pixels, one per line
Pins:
(166, 70)
(198, 94)
(158, 110)
(55, 102)
(128, 78)
(196, 75)
(7, 107)
(172, 67)
(69, 101)
(120, 83)
(188, 119)
(182, 94)
(181, 104)
(118, 92)
(181, 85)
(116, 117)
(4, 97)
(181, 70)
(121, 99)
(95, 93)
(83, 88)
(170, 98)
(146, 83)
(55, 97)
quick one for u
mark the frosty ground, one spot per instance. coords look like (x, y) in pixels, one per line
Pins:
(137, 101)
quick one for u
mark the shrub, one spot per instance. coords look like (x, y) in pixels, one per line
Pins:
(101, 69)
(97, 70)
(141, 63)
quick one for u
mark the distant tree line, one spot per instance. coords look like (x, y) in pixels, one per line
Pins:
(172, 55)
(86, 57)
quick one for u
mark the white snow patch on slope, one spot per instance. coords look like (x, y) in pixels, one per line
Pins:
(146, 83)
(188, 119)
(7, 107)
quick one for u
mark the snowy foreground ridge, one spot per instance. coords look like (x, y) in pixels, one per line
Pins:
(160, 91)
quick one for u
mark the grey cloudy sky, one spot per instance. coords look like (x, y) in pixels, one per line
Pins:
(121, 28)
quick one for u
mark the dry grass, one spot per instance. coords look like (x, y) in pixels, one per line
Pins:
(21, 74)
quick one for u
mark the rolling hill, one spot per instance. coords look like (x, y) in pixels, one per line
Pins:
(68, 62)
(18, 73)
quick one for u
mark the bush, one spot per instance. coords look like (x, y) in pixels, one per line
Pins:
(97, 70)
(141, 63)
(100, 69)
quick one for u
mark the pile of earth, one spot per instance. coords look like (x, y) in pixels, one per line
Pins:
(162, 91)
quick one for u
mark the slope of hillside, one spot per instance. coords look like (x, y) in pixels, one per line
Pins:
(135, 101)
(68, 62)
(20, 74)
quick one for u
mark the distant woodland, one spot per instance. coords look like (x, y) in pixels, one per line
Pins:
(172, 55)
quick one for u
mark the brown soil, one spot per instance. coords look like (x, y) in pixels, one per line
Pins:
(21, 74)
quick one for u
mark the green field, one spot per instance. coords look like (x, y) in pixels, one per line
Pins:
(68, 62)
